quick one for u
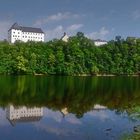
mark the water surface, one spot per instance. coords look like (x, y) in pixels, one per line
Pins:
(56, 108)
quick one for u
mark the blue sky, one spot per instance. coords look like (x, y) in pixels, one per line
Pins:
(102, 19)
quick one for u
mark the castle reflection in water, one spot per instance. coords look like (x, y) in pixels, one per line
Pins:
(34, 114)
(23, 114)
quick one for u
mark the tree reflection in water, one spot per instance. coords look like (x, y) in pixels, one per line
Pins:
(78, 94)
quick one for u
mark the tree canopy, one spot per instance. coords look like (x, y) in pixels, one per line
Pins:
(76, 57)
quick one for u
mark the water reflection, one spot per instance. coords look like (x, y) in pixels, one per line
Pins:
(68, 108)
(99, 123)
(64, 111)
(23, 114)
(99, 107)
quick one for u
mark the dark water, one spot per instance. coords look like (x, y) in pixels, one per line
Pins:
(69, 108)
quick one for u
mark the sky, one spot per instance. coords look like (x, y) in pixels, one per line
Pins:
(97, 19)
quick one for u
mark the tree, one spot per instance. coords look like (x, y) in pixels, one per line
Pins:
(21, 65)
(94, 70)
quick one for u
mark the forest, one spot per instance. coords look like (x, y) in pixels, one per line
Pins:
(78, 56)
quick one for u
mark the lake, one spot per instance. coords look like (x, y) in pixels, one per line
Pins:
(69, 108)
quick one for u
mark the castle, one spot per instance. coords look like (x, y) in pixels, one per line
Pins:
(25, 34)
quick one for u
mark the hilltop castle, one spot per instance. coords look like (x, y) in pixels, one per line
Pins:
(25, 34)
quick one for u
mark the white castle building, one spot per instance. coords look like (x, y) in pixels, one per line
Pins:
(100, 42)
(23, 114)
(65, 37)
(64, 112)
(99, 107)
(25, 34)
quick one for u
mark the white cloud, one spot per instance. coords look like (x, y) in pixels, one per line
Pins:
(73, 120)
(74, 27)
(3, 120)
(54, 33)
(56, 129)
(56, 116)
(58, 125)
(102, 115)
(101, 34)
(4, 27)
(56, 17)
(136, 14)
(59, 31)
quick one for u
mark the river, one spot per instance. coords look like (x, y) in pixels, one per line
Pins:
(69, 108)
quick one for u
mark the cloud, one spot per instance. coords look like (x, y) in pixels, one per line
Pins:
(54, 33)
(74, 27)
(102, 115)
(56, 116)
(59, 30)
(136, 15)
(56, 129)
(101, 34)
(56, 17)
(57, 125)
(73, 120)
(4, 26)
(3, 120)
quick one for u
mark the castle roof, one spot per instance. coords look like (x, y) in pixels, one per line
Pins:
(26, 29)
(99, 40)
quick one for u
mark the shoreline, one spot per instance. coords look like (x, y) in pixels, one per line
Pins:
(76, 75)
(89, 75)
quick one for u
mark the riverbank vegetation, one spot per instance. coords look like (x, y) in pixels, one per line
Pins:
(78, 94)
(133, 136)
(79, 56)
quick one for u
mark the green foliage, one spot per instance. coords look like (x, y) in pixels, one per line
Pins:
(78, 94)
(20, 66)
(94, 70)
(133, 136)
(76, 57)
